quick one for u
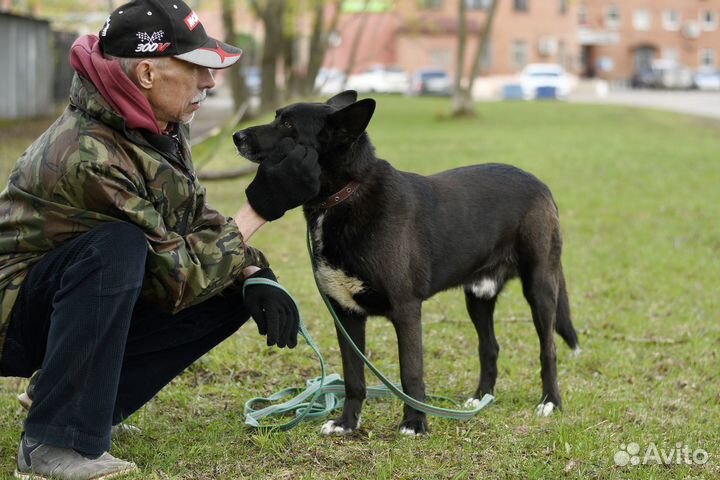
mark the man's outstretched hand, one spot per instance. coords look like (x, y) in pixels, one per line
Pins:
(274, 311)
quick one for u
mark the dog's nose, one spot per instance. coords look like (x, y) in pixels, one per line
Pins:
(239, 138)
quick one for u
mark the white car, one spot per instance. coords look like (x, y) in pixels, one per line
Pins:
(329, 81)
(543, 79)
(707, 79)
(379, 79)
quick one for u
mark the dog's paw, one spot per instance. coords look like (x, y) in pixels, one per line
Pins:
(338, 427)
(544, 409)
(414, 428)
(577, 351)
(472, 403)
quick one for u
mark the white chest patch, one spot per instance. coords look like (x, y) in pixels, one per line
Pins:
(339, 286)
(485, 288)
(317, 234)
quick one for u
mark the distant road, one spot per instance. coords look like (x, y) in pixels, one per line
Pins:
(703, 104)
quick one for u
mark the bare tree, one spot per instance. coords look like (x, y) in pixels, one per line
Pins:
(271, 13)
(319, 42)
(462, 96)
(355, 44)
(235, 75)
(458, 92)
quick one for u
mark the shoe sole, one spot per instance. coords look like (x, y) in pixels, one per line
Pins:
(33, 476)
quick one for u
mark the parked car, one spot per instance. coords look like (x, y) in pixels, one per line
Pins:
(663, 73)
(707, 79)
(329, 81)
(430, 81)
(379, 79)
(544, 80)
(644, 78)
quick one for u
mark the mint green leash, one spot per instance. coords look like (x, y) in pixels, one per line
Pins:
(326, 393)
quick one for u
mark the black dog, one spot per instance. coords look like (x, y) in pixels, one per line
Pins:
(386, 240)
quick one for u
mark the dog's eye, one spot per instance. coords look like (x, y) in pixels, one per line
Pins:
(286, 124)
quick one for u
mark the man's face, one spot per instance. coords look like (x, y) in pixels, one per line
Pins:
(178, 89)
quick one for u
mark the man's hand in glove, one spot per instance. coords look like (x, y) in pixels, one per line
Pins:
(289, 177)
(273, 310)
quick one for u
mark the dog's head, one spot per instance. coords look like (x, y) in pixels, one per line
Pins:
(331, 128)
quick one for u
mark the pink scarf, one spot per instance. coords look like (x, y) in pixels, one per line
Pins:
(116, 88)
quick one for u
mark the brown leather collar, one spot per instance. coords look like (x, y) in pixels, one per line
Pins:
(340, 196)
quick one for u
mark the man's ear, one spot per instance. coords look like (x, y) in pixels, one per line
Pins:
(144, 74)
(343, 99)
(350, 122)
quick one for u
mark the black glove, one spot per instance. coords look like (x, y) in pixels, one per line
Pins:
(289, 177)
(273, 310)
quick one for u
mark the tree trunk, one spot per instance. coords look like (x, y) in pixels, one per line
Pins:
(235, 73)
(355, 44)
(319, 43)
(462, 98)
(459, 99)
(482, 43)
(272, 17)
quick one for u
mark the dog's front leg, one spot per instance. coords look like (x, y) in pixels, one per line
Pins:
(408, 328)
(354, 373)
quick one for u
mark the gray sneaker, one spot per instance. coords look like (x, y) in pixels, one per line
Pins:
(26, 399)
(39, 461)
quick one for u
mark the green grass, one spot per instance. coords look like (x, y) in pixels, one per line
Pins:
(640, 208)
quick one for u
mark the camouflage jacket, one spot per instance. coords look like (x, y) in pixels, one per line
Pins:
(86, 169)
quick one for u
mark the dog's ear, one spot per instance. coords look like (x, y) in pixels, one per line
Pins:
(343, 99)
(350, 122)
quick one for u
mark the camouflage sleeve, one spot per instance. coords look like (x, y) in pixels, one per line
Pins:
(181, 270)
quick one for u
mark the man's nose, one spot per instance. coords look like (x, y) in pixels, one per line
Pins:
(206, 80)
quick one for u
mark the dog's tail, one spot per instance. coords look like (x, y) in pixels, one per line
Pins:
(563, 324)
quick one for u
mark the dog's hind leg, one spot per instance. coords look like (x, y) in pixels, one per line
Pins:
(354, 374)
(540, 287)
(481, 311)
(408, 329)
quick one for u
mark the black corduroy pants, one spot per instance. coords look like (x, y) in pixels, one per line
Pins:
(103, 352)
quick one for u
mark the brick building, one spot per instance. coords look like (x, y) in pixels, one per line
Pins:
(620, 38)
(416, 34)
(610, 39)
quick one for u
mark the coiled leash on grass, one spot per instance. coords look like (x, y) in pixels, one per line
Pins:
(326, 393)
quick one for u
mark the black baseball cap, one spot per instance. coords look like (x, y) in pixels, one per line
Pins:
(163, 28)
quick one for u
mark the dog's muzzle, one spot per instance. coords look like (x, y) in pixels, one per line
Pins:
(242, 143)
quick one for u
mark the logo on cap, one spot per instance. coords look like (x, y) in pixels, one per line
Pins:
(151, 42)
(192, 21)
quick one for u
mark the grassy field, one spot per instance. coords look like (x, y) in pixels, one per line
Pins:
(639, 200)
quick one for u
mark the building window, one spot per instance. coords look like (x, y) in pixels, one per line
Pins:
(430, 4)
(708, 19)
(562, 6)
(520, 5)
(707, 57)
(612, 16)
(671, 20)
(641, 20)
(582, 15)
(478, 4)
(519, 54)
